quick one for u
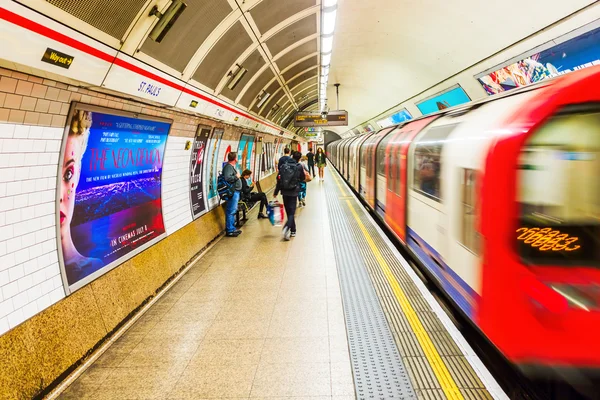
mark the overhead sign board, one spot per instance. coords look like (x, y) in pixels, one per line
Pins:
(310, 119)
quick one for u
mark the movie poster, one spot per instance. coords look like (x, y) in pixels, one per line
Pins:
(197, 163)
(212, 156)
(109, 190)
(245, 153)
(577, 53)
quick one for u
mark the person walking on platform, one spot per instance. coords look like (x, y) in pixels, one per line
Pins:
(321, 162)
(231, 175)
(285, 158)
(291, 173)
(251, 197)
(307, 178)
(311, 162)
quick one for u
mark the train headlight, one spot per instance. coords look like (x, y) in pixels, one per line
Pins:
(582, 297)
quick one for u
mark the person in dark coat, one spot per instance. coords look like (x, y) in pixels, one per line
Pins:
(311, 161)
(290, 196)
(248, 195)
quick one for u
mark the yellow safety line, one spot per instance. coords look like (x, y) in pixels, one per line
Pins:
(435, 361)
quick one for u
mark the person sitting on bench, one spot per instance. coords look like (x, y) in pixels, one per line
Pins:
(248, 196)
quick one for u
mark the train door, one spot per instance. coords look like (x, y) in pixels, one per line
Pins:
(396, 171)
(370, 170)
(344, 171)
(362, 161)
(427, 210)
(355, 157)
(348, 166)
(382, 160)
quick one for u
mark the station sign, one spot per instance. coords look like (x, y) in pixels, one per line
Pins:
(312, 119)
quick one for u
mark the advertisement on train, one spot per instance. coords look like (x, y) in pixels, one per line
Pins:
(109, 202)
(197, 165)
(212, 156)
(580, 52)
(448, 98)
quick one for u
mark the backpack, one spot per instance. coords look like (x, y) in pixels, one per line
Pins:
(224, 188)
(288, 176)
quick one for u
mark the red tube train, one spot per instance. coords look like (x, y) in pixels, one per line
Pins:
(500, 201)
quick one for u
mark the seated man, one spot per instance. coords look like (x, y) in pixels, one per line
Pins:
(248, 196)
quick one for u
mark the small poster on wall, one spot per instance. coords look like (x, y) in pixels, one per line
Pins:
(212, 156)
(245, 153)
(197, 163)
(109, 204)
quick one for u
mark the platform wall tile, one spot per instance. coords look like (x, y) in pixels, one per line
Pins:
(42, 332)
(27, 206)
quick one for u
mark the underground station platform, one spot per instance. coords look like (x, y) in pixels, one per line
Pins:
(335, 313)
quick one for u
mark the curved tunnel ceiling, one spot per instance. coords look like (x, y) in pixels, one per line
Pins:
(276, 41)
(386, 51)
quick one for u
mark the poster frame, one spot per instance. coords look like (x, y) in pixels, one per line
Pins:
(199, 128)
(70, 289)
(442, 92)
(542, 47)
(213, 134)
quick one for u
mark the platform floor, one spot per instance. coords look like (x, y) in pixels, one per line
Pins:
(256, 317)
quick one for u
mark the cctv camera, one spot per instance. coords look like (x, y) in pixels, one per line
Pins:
(324, 114)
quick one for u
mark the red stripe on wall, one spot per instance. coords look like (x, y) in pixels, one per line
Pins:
(64, 39)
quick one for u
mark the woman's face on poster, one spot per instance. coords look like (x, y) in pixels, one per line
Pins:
(70, 173)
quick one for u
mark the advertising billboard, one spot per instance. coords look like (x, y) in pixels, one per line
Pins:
(560, 56)
(197, 166)
(245, 155)
(212, 157)
(394, 119)
(109, 204)
(448, 98)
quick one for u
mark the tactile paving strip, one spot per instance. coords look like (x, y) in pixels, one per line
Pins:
(379, 372)
(423, 379)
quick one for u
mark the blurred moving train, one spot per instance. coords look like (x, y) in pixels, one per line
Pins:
(500, 201)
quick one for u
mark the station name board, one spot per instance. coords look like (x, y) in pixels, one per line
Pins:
(309, 119)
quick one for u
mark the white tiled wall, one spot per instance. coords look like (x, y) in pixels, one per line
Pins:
(30, 277)
(176, 187)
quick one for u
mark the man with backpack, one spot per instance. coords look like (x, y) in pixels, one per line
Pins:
(232, 177)
(285, 158)
(291, 173)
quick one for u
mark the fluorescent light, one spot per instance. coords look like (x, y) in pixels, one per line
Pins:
(329, 3)
(326, 59)
(263, 99)
(329, 22)
(327, 44)
(236, 77)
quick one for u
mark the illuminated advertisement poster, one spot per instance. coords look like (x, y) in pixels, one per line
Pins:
(109, 204)
(212, 156)
(245, 154)
(258, 159)
(577, 53)
(197, 162)
(395, 119)
(446, 99)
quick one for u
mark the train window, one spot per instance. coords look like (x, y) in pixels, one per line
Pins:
(469, 237)
(559, 192)
(427, 161)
